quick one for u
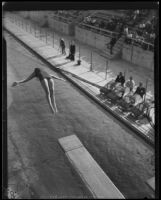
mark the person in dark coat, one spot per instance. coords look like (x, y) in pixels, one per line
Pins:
(112, 43)
(140, 90)
(72, 51)
(62, 46)
(120, 79)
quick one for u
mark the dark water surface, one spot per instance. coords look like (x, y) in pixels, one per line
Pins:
(35, 131)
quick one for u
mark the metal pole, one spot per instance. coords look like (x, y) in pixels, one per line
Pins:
(40, 33)
(132, 50)
(35, 29)
(91, 67)
(106, 69)
(26, 26)
(46, 36)
(148, 47)
(30, 28)
(79, 52)
(53, 39)
(15, 19)
(19, 24)
(146, 86)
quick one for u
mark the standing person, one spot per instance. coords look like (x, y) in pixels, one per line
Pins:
(72, 51)
(112, 43)
(47, 84)
(62, 46)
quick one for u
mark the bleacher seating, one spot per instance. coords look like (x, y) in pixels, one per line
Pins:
(141, 27)
(141, 34)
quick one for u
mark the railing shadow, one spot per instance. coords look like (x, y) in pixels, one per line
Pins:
(59, 55)
(61, 64)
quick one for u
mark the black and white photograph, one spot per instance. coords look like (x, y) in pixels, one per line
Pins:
(79, 101)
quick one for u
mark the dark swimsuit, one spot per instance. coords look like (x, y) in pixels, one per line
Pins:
(42, 75)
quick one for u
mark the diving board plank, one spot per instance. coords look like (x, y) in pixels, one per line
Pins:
(151, 183)
(70, 142)
(90, 172)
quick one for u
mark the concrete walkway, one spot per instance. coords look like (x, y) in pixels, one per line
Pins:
(100, 74)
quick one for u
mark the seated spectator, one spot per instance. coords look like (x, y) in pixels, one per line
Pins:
(142, 26)
(129, 87)
(139, 94)
(129, 38)
(152, 35)
(120, 79)
(140, 90)
(136, 13)
(130, 84)
(126, 30)
(148, 26)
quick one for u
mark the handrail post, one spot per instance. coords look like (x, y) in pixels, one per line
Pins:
(79, 61)
(40, 33)
(22, 23)
(46, 36)
(132, 50)
(91, 66)
(30, 28)
(79, 52)
(106, 69)
(53, 34)
(53, 39)
(35, 29)
(26, 26)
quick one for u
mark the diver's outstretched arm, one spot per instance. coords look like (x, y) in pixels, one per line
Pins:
(57, 77)
(25, 80)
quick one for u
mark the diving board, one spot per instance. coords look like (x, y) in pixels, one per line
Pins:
(90, 172)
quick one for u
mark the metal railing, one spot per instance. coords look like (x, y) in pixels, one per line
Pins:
(61, 18)
(89, 58)
(141, 43)
(99, 30)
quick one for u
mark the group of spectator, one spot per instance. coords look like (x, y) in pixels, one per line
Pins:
(133, 17)
(144, 32)
(68, 14)
(129, 88)
(111, 24)
(139, 35)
